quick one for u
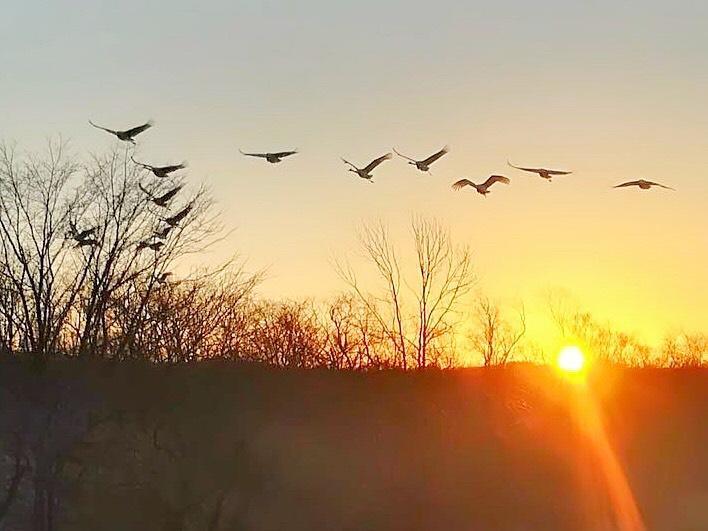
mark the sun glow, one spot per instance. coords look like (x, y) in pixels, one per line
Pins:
(571, 359)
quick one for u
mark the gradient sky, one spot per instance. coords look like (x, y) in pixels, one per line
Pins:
(612, 90)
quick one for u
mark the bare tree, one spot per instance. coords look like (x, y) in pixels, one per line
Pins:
(37, 285)
(443, 277)
(496, 340)
(685, 350)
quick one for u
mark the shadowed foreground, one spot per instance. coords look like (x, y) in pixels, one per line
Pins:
(215, 446)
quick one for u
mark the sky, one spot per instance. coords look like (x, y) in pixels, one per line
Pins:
(611, 90)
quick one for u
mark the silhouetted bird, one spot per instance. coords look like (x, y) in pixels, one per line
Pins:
(163, 199)
(81, 235)
(423, 165)
(162, 279)
(155, 246)
(128, 135)
(542, 172)
(162, 234)
(273, 158)
(179, 216)
(86, 242)
(481, 188)
(161, 171)
(365, 173)
(644, 185)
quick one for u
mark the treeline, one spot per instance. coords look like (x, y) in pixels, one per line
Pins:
(115, 294)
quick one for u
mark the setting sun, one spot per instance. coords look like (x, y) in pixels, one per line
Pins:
(571, 359)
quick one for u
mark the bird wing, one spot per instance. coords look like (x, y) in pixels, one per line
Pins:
(403, 156)
(85, 233)
(169, 195)
(461, 184)
(496, 179)
(282, 154)
(140, 185)
(261, 155)
(660, 185)
(558, 172)
(376, 162)
(102, 128)
(345, 161)
(180, 215)
(174, 167)
(146, 166)
(628, 183)
(436, 156)
(533, 170)
(139, 129)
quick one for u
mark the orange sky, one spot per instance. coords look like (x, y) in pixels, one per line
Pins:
(610, 91)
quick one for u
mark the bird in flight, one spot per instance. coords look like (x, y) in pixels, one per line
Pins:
(542, 172)
(162, 279)
(83, 234)
(86, 242)
(424, 165)
(164, 199)
(644, 185)
(173, 221)
(273, 158)
(127, 135)
(162, 234)
(146, 244)
(160, 171)
(365, 172)
(482, 188)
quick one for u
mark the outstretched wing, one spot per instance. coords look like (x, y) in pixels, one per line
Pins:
(496, 179)
(403, 156)
(174, 167)
(558, 172)
(179, 216)
(461, 184)
(103, 128)
(169, 195)
(436, 156)
(146, 166)
(261, 155)
(347, 162)
(376, 162)
(282, 154)
(660, 185)
(532, 170)
(628, 183)
(137, 130)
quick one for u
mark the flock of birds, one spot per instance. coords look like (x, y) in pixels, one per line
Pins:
(364, 172)
(88, 237)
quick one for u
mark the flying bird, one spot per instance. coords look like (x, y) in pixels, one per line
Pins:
(127, 135)
(81, 235)
(482, 188)
(173, 221)
(424, 165)
(365, 172)
(146, 244)
(273, 158)
(162, 279)
(162, 234)
(86, 242)
(161, 171)
(542, 172)
(644, 185)
(163, 199)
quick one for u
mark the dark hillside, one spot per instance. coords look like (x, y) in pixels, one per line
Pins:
(216, 446)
